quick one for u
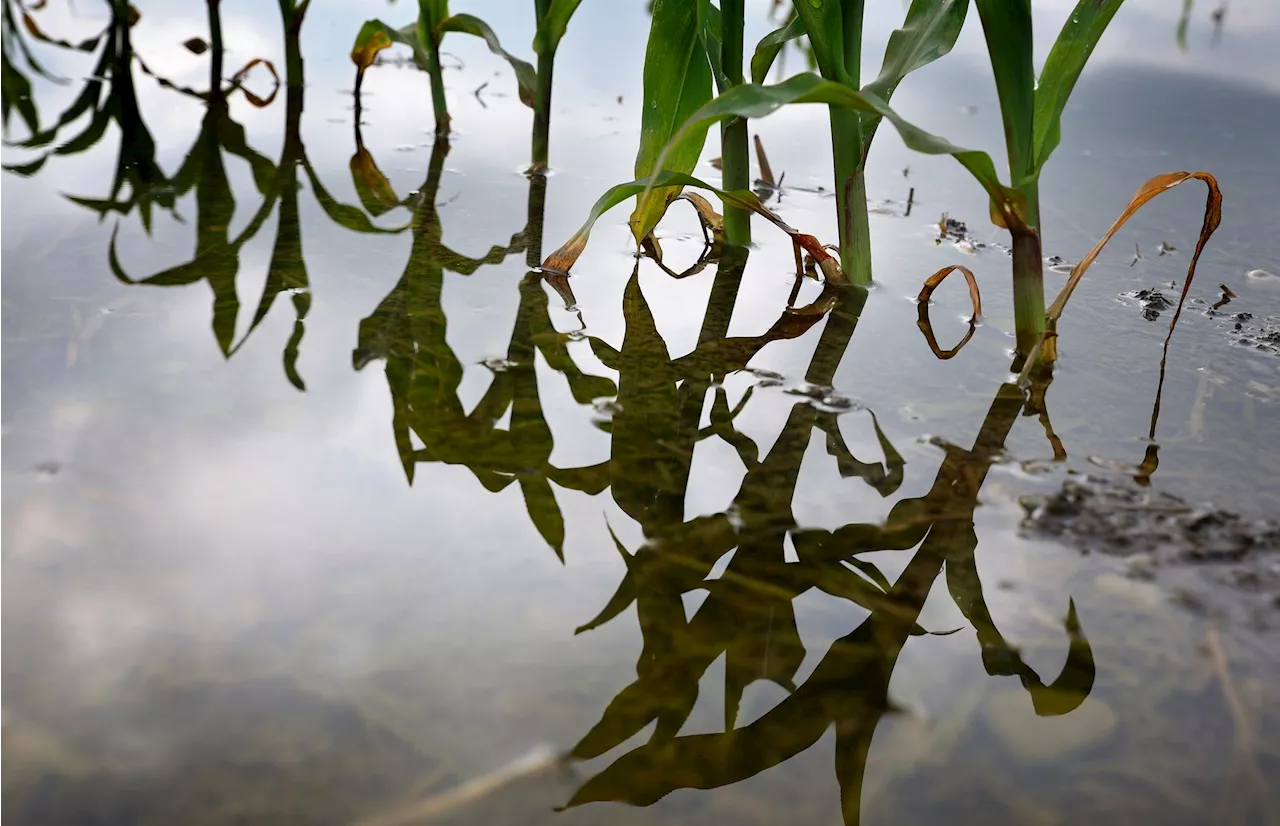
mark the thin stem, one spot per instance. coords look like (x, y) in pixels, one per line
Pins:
(848, 154)
(734, 158)
(542, 113)
(434, 69)
(724, 295)
(534, 220)
(542, 105)
(1028, 291)
(1028, 276)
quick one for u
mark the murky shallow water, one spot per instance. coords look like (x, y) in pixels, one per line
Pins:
(231, 601)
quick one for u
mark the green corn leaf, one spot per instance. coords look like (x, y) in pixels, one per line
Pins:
(928, 33)
(824, 23)
(677, 80)
(374, 36)
(1066, 60)
(1007, 26)
(552, 26)
(526, 77)
(430, 14)
(710, 28)
(771, 45)
(433, 11)
(301, 303)
(754, 101)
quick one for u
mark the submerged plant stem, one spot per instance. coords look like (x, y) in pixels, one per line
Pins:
(735, 160)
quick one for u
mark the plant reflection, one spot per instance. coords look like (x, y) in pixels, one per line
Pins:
(749, 614)
(409, 330)
(203, 173)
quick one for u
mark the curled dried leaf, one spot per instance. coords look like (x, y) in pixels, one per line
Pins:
(712, 222)
(926, 292)
(1158, 185)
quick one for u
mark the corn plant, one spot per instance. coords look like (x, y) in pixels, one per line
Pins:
(692, 47)
(434, 21)
(834, 30)
(553, 20)
(929, 31)
(1031, 109)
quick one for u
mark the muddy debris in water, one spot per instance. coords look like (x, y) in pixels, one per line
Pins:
(1213, 561)
(1263, 337)
(957, 232)
(1153, 302)
(1244, 329)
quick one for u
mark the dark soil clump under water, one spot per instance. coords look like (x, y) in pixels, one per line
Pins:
(1216, 562)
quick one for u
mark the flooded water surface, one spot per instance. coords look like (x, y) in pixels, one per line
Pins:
(325, 503)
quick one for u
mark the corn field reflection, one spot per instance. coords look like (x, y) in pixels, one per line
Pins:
(749, 614)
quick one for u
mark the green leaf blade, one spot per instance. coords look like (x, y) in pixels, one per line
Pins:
(1007, 26)
(1076, 41)
(526, 76)
(552, 26)
(755, 101)
(929, 32)
(771, 45)
(677, 82)
(824, 23)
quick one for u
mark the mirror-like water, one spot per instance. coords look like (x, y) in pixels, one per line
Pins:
(322, 505)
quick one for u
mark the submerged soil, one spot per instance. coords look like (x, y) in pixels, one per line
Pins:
(1216, 563)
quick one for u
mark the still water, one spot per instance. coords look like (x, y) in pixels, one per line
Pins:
(322, 506)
